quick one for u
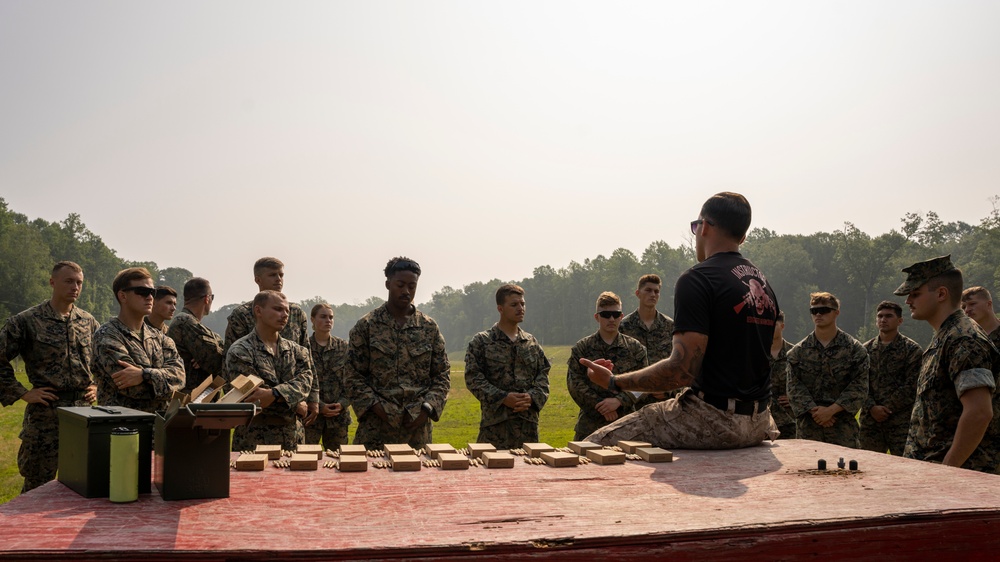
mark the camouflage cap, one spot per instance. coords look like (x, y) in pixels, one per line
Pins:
(923, 271)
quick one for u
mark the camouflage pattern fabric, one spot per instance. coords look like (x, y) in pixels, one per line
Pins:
(289, 371)
(995, 338)
(821, 376)
(155, 353)
(687, 422)
(401, 368)
(958, 345)
(56, 352)
(241, 323)
(164, 328)
(329, 362)
(626, 353)
(196, 343)
(782, 415)
(657, 339)
(892, 382)
(495, 366)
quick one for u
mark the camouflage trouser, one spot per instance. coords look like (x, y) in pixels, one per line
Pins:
(373, 433)
(889, 435)
(288, 435)
(332, 432)
(844, 431)
(687, 422)
(783, 418)
(510, 434)
(38, 457)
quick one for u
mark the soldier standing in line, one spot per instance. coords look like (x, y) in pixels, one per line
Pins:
(269, 275)
(956, 416)
(827, 378)
(164, 306)
(778, 359)
(135, 366)
(54, 341)
(286, 369)
(329, 356)
(892, 383)
(398, 374)
(653, 329)
(977, 303)
(199, 347)
(600, 406)
(507, 371)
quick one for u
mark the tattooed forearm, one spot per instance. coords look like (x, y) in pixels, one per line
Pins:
(680, 369)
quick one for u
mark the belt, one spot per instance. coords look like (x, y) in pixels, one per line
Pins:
(70, 395)
(741, 407)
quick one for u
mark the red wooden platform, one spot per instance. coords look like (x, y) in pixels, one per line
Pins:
(752, 503)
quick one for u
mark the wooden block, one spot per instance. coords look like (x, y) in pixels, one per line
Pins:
(398, 449)
(606, 456)
(453, 461)
(316, 450)
(655, 454)
(273, 452)
(352, 463)
(353, 450)
(536, 449)
(251, 461)
(434, 450)
(581, 447)
(476, 450)
(303, 461)
(631, 446)
(401, 462)
(243, 386)
(556, 459)
(494, 459)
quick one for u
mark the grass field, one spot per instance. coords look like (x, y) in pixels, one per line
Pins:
(458, 426)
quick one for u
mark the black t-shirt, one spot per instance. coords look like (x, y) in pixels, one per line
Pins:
(727, 298)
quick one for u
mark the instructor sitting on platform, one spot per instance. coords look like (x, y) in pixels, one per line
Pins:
(724, 323)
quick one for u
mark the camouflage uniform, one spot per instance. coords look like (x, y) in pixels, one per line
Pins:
(241, 323)
(782, 415)
(163, 329)
(626, 353)
(658, 341)
(328, 387)
(289, 371)
(155, 353)
(995, 338)
(400, 368)
(821, 376)
(56, 353)
(495, 366)
(892, 382)
(196, 343)
(959, 358)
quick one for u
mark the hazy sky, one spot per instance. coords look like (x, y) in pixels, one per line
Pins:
(484, 139)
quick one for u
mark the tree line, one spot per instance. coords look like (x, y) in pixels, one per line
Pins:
(861, 269)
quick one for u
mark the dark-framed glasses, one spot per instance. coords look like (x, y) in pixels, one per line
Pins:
(608, 314)
(820, 310)
(695, 223)
(143, 292)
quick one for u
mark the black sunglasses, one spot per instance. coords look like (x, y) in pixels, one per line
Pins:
(141, 291)
(820, 310)
(610, 313)
(695, 223)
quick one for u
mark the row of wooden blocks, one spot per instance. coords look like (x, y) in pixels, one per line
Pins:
(402, 457)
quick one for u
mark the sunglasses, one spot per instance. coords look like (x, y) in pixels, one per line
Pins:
(820, 310)
(695, 223)
(610, 314)
(141, 291)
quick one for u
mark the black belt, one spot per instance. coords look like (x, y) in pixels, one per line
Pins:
(742, 407)
(70, 395)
